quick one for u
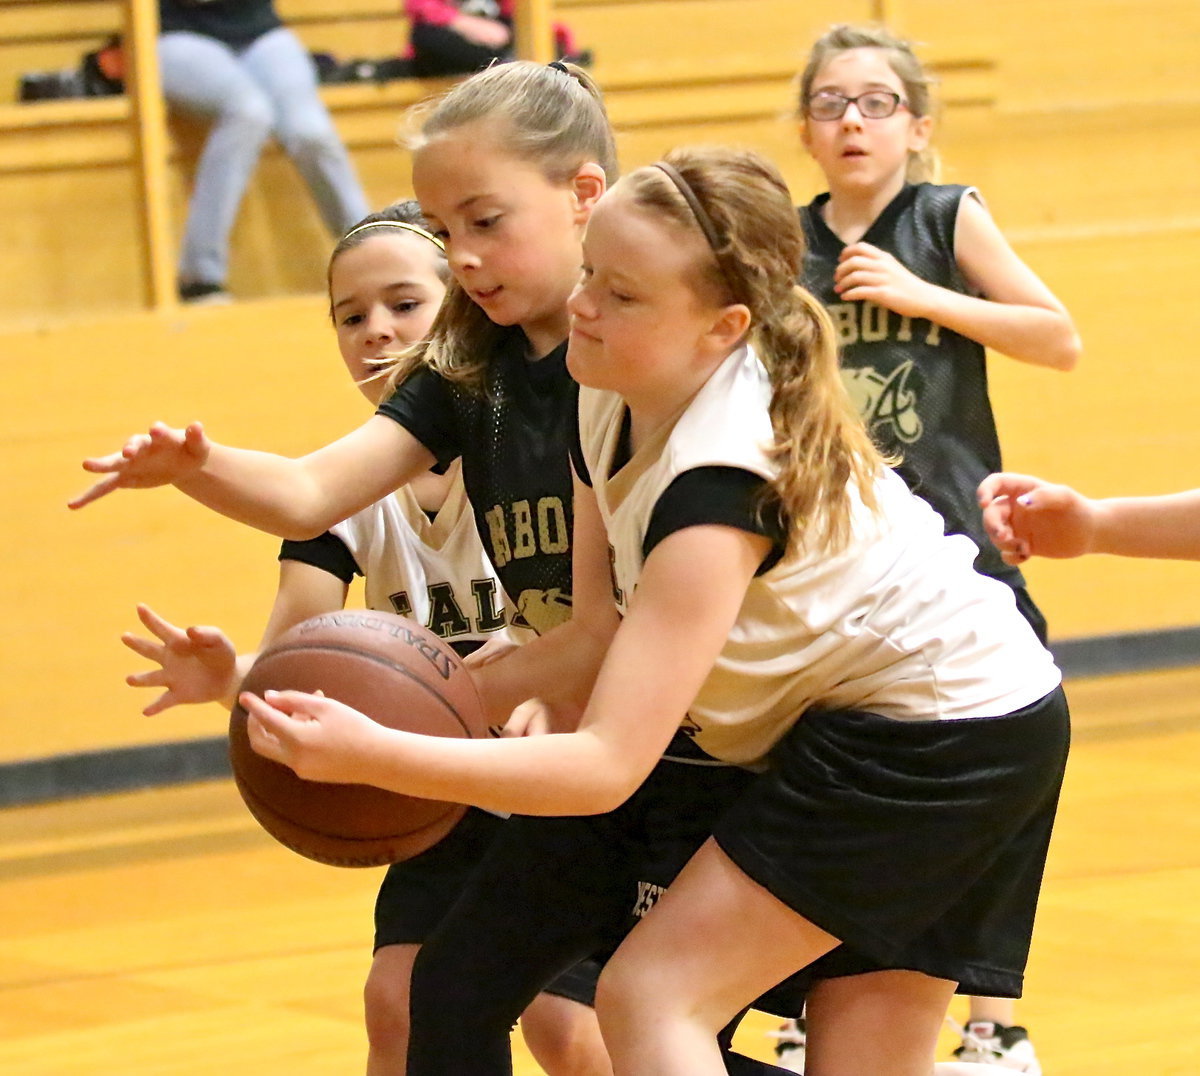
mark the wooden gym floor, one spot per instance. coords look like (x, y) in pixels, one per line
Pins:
(163, 933)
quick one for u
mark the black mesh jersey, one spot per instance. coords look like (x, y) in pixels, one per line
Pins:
(514, 442)
(921, 388)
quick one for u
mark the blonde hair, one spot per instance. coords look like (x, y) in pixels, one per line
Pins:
(550, 115)
(821, 446)
(922, 164)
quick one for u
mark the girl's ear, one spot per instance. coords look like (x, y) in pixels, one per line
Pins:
(730, 325)
(919, 133)
(805, 136)
(587, 186)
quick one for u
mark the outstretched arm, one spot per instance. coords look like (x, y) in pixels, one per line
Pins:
(292, 498)
(1018, 315)
(687, 599)
(304, 591)
(1027, 516)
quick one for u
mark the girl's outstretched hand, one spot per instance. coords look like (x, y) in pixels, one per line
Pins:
(195, 664)
(157, 458)
(319, 738)
(1026, 517)
(867, 274)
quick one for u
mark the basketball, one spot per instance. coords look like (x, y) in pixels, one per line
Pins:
(394, 671)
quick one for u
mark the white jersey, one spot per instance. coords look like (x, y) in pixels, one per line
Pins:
(897, 623)
(434, 572)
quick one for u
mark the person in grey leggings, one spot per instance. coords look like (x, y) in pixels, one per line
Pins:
(232, 62)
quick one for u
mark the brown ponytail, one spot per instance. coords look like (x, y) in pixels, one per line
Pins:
(821, 445)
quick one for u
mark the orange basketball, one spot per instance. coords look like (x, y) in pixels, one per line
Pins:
(394, 671)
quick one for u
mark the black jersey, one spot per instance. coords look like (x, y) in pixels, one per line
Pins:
(514, 441)
(235, 22)
(921, 387)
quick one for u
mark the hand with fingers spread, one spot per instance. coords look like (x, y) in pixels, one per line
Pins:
(866, 273)
(157, 458)
(319, 738)
(194, 664)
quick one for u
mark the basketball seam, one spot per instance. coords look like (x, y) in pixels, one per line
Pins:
(379, 660)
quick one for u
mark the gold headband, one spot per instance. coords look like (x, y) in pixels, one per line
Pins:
(416, 229)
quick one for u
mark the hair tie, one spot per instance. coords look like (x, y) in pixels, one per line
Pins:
(702, 218)
(404, 225)
(560, 67)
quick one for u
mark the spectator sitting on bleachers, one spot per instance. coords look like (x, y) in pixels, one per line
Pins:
(233, 62)
(459, 37)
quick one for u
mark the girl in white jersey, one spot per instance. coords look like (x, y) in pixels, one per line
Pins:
(777, 601)
(420, 555)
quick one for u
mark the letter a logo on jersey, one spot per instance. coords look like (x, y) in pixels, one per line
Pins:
(887, 400)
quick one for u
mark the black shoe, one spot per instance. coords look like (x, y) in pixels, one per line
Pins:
(203, 293)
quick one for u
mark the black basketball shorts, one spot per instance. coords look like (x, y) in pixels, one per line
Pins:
(920, 845)
(416, 893)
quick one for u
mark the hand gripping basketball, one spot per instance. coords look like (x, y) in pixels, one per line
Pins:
(398, 674)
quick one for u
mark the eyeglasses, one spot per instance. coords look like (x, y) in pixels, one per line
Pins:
(872, 105)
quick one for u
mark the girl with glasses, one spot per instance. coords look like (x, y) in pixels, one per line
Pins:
(919, 281)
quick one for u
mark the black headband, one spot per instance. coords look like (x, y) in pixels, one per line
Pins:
(702, 219)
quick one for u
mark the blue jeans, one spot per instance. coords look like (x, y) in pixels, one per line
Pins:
(267, 88)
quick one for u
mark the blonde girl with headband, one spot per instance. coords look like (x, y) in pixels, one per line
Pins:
(792, 651)
(507, 167)
(919, 282)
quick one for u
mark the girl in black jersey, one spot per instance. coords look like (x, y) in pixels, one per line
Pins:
(793, 654)
(919, 281)
(507, 167)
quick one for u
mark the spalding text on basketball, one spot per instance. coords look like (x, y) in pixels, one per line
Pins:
(443, 661)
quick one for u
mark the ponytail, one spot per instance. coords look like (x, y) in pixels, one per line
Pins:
(821, 447)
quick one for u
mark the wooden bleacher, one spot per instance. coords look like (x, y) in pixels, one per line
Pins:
(91, 154)
(1080, 130)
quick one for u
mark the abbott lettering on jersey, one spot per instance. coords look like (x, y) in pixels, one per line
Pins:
(521, 530)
